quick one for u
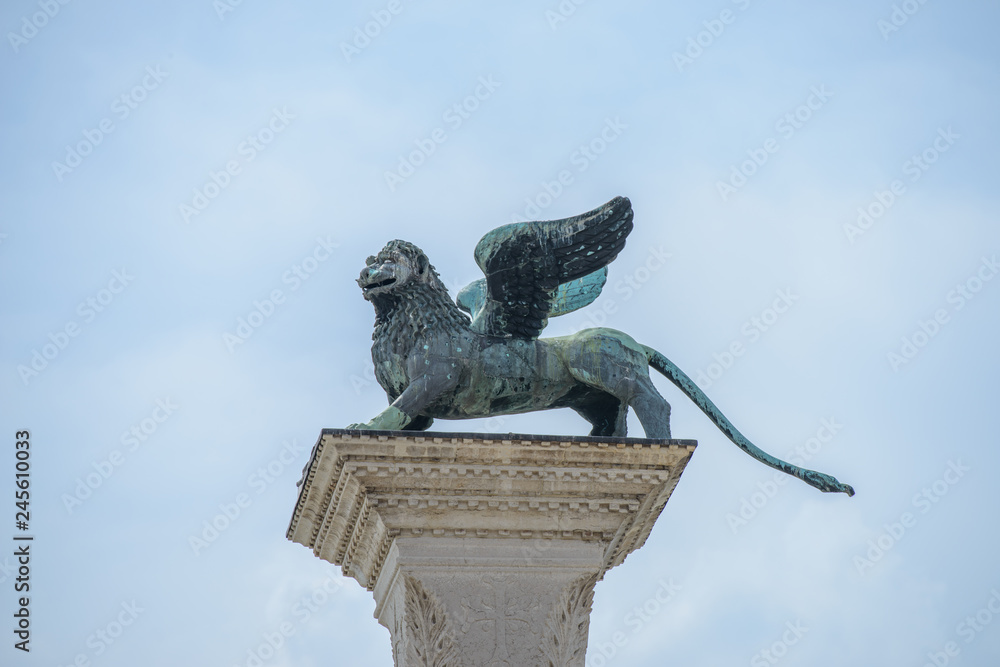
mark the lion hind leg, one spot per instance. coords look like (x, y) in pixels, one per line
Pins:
(607, 417)
(652, 409)
(615, 365)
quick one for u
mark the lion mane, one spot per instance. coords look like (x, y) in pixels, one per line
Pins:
(411, 308)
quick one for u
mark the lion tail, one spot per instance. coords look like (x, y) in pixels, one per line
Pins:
(818, 480)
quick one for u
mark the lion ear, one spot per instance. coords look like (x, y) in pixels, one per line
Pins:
(371, 260)
(423, 264)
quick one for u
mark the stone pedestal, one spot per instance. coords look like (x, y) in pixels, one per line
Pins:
(482, 549)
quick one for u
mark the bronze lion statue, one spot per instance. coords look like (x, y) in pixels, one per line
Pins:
(481, 356)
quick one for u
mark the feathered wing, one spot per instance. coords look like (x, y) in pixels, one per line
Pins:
(568, 297)
(526, 263)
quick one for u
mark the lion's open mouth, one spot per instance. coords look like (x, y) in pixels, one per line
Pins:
(381, 283)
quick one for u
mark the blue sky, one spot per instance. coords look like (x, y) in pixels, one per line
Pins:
(172, 168)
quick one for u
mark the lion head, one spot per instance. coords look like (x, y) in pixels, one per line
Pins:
(407, 292)
(395, 269)
(397, 266)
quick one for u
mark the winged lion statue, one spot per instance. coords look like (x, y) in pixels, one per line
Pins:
(482, 356)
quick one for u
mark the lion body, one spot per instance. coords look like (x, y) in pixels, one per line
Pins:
(432, 365)
(499, 376)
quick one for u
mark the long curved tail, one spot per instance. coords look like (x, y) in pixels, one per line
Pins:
(819, 480)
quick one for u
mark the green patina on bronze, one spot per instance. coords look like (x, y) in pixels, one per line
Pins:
(434, 362)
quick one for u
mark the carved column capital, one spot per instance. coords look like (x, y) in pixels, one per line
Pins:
(483, 549)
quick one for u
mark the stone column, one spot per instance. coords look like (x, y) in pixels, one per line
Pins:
(482, 549)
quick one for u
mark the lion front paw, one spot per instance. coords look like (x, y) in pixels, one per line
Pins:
(390, 419)
(359, 427)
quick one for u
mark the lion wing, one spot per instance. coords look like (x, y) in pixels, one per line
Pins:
(568, 297)
(526, 263)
